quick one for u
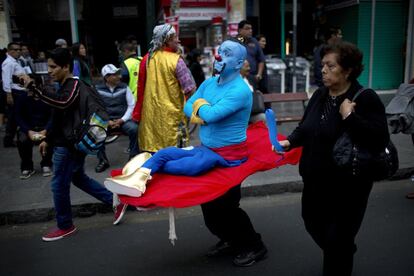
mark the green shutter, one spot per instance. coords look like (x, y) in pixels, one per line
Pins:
(390, 32)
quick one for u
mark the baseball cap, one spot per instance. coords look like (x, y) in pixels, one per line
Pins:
(109, 69)
(61, 42)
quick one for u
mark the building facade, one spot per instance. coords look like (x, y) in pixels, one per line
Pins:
(380, 28)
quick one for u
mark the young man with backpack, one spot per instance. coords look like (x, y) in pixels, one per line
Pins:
(68, 162)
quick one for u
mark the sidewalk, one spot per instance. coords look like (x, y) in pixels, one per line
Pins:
(25, 201)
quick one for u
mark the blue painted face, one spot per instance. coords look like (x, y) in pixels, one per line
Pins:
(229, 59)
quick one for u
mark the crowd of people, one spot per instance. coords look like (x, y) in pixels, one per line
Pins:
(151, 99)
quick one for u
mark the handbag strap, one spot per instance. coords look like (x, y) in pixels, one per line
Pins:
(358, 93)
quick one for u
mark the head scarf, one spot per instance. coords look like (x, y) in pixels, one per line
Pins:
(160, 35)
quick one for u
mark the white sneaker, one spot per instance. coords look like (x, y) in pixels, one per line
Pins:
(27, 173)
(46, 171)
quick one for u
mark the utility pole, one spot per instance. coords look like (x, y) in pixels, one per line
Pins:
(5, 25)
(150, 24)
(282, 29)
(295, 11)
(409, 64)
(73, 21)
(371, 46)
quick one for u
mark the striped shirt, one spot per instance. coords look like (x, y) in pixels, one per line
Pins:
(184, 77)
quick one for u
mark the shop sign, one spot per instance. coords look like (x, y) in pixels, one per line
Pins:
(202, 3)
(173, 20)
(196, 14)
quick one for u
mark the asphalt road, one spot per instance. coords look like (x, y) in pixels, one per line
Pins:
(140, 245)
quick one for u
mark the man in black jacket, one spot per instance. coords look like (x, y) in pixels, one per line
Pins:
(34, 120)
(68, 162)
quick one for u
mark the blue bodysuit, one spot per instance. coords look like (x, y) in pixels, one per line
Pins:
(228, 114)
(226, 119)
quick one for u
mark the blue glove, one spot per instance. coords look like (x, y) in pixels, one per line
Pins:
(271, 125)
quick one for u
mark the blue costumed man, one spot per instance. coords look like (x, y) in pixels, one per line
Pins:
(222, 106)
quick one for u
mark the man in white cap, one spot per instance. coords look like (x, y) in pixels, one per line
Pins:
(119, 104)
(61, 43)
(163, 84)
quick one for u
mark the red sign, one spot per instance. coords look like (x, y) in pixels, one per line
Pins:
(173, 20)
(202, 3)
(232, 29)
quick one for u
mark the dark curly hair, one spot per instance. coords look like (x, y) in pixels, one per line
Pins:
(349, 57)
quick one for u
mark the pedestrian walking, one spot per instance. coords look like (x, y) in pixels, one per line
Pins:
(333, 201)
(330, 35)
(255, 55)
(68, 162)
(263, 83)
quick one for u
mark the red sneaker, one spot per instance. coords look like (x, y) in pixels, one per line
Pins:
(57, 234)
(119, 212)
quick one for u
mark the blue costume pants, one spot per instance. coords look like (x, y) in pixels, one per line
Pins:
(189, 162)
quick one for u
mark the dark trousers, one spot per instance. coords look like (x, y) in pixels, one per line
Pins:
(25, 147)
(129, 128)
(11, 126)
(225, 219)
(332, 210)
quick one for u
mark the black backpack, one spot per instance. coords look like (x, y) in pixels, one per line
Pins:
(91, 122)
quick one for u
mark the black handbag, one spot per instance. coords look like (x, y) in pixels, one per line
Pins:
(258, 105)
(358, 161)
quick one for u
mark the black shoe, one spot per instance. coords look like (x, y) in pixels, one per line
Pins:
(220, 249)
(248, 258)
(102, 166)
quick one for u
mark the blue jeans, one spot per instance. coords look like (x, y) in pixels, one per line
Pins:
(68, 166)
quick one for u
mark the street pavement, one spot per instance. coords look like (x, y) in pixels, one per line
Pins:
(140, 246)
(25, 201)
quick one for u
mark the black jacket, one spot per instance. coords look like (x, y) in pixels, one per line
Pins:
(32, 114)
(197, 73)
(367, 125)
(68, 113)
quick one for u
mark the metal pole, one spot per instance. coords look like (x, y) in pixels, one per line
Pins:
(371, 47)
(295, 10)
(73, 21)
(8, 36)
(150, 23)
(282, 29)
(409, 59)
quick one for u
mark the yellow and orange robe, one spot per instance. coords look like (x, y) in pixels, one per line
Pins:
(162, 102)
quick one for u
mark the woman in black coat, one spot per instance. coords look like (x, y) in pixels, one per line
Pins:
(194, 58)
(334, 202)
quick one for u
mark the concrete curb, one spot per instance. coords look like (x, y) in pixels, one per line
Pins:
(90, 209)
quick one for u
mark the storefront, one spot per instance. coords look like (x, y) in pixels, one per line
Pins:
(379, 28)
(100, 24)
